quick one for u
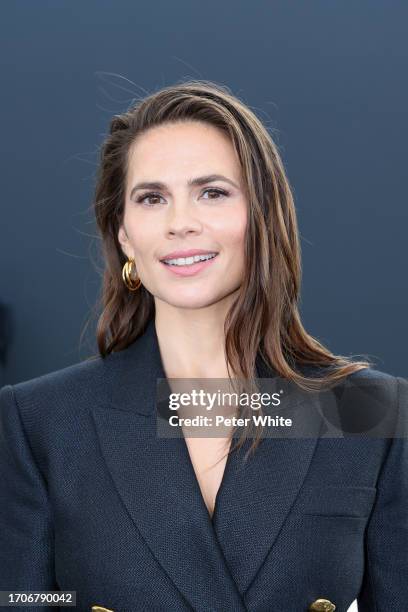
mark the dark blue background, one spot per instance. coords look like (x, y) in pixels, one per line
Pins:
(328, 79)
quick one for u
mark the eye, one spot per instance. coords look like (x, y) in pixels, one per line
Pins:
(220, 193)
(142, 198)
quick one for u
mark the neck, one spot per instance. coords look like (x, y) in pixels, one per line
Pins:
(191, 341)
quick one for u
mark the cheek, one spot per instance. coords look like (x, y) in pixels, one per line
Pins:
(142, 234)
(234, 231)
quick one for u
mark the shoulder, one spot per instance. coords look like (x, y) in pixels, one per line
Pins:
(370, 400)
(374, 382)
(364, 389)
(43, 417)
(369, 385)
(51, 396)
(70, 379)
(367, 378)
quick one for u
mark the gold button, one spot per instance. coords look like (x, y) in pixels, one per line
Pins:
(101, 609)
(322, 605)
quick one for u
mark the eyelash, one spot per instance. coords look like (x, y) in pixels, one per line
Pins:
(140, 199)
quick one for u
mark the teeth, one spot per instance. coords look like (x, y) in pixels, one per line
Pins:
(188, 261)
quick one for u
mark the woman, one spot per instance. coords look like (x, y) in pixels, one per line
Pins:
(94, 501)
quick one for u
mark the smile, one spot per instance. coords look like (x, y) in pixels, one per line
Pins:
(188, 261)
(188, 266)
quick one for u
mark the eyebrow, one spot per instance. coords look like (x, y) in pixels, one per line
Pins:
(200, 180)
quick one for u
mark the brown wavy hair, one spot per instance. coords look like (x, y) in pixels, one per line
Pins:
(264, 318)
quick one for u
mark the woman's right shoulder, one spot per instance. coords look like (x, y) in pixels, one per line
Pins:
(69, 389)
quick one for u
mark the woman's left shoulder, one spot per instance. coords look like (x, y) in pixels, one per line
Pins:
(368, 377)
(379, 381)
(376, 392)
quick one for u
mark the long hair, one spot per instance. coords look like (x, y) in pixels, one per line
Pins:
(264, 319)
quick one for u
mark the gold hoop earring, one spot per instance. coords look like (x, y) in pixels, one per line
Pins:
(128, 271)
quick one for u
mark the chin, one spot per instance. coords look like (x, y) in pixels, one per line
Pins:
(191, 301)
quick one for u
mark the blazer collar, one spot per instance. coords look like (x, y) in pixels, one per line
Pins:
(133, 373)
(213, 563)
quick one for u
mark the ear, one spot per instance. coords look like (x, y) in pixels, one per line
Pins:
(124, 242)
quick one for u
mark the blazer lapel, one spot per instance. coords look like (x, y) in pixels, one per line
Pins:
(156, 480)
(212, 563)
(256, 497)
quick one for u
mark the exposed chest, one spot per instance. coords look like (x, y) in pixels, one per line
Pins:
(208, 457)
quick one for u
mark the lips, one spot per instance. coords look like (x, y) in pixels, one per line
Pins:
(191, 269)
(187, 253)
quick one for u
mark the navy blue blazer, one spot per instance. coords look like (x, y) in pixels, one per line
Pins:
(93, 501)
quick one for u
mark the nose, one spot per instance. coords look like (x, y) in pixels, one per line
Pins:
(183, 218)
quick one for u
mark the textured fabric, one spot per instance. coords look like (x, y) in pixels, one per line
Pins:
(93, 501)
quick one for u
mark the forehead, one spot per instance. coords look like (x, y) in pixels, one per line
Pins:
(177, 151)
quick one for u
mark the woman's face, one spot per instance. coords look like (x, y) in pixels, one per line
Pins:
(185, 211)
